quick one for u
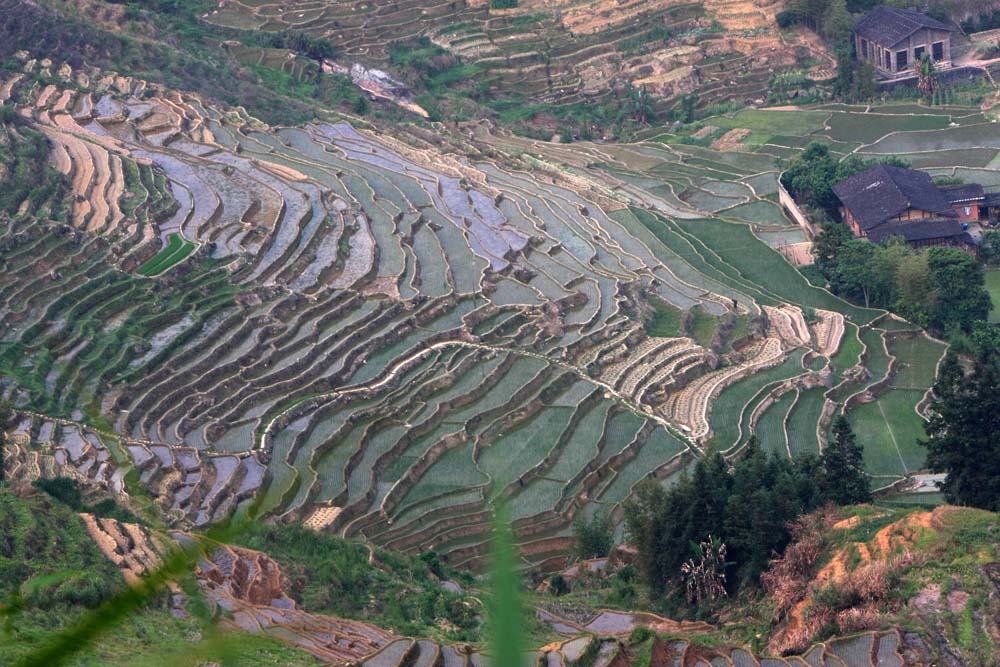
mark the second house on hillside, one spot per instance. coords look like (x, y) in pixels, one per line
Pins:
(894, 40)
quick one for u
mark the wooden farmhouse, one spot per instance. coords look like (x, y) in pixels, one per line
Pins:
(885, 202)
(894, 41)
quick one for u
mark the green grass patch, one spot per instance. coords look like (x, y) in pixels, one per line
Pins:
(848, 352)
(993, 287)
(666, 319)
(888, 429)
(769, 122)
(736, 247)
(177, 250)
(869, 127)
(702, 326)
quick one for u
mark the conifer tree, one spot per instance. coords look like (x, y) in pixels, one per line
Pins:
(962, 432)
(837, 21)
(844, 479)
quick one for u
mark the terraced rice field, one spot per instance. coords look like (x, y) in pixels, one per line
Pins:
(383, 339)
(177, 250)
(546, 55)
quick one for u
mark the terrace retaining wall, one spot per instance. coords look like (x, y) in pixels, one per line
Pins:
(792, 209)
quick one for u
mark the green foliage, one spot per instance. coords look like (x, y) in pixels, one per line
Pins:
(150, 637)
(845, 67)
(333, 576)
(317, 48)
(961, 434)
(47, 560)
(558, 585)
(164, 42)
(749, 508)
(866, 86)
(811, 176)
(844, 480)
(666, 320)
(837, 22)
(67, 491)
(593, 538)
(506, 614)
(28, 179)
(943, 289)
(333, 91)
(687, 108)
(927, 81)
(958, 284)
(6, 419)
(503, 4)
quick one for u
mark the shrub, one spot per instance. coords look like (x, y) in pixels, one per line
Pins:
(594, 537)
(558, 585)
(787, 18)
(640, 635)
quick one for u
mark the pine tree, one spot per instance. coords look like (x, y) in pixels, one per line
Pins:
(845, 69)
(844, 479)
(837, 21)
(961, 434)
(593, 538)
(866, 86)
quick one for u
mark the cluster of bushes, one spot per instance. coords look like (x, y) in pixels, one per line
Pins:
(743, 513)
(67, 491)
(941, 289)
(25, 173)
(317, 48)
(169, 47)
(334, 576)
(984, 21)
(830, 18)
(47, 560)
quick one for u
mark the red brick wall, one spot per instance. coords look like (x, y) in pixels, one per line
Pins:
(973, 213)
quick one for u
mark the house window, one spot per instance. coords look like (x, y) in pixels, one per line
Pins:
(937, 50)
(864, 48)
(888, 60)
(901, 60)
(918, 53)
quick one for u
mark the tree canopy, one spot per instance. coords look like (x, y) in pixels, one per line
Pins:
(941, 289)
(748, 508)
(844, 481)
(961, 434)
(812, 174)
(594, 537)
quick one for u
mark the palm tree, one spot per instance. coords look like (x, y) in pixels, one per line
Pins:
(927, 81)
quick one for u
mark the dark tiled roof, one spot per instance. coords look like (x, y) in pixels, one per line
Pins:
(963, 192)
(883, 192)
(921, 230)
(890, 25)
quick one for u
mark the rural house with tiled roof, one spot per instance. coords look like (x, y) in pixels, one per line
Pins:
(885, 201)
(894, 40)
